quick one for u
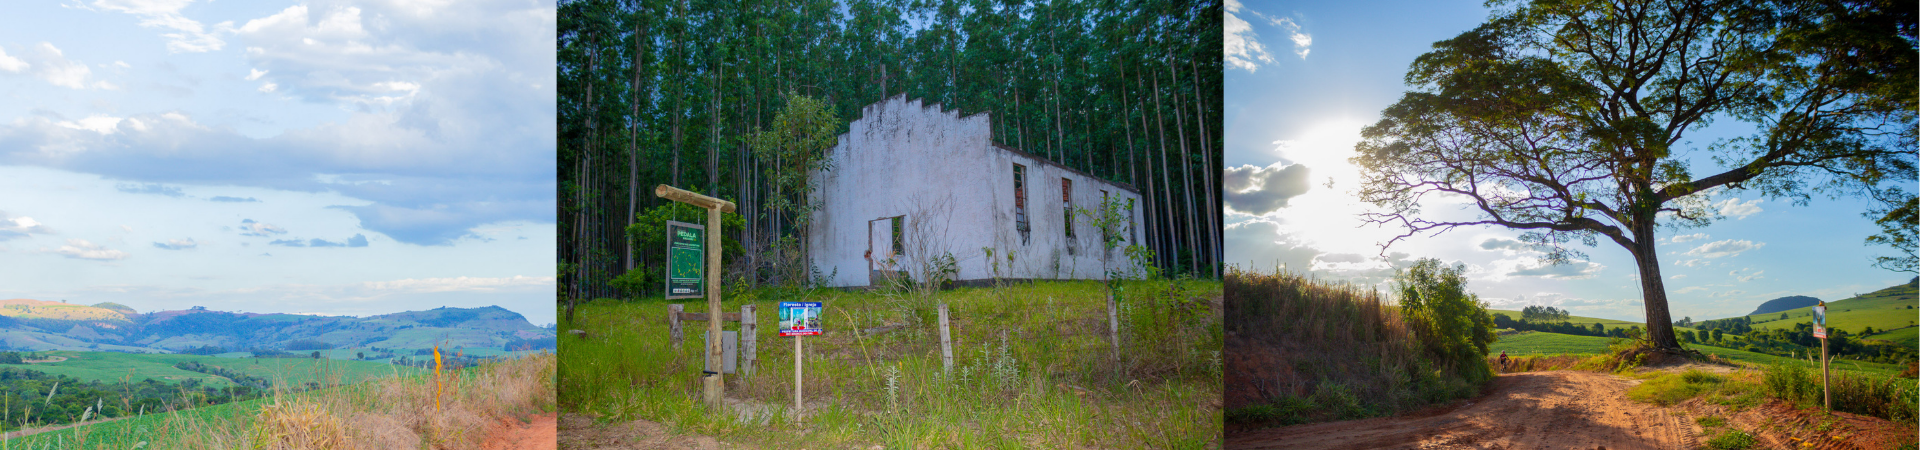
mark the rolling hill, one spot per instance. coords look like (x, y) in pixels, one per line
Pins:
(1784, 303)
(35, 325)
(1885, 309)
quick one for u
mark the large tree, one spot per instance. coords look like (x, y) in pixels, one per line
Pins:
(1568, 119)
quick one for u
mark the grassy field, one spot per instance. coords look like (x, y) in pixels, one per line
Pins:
(1885, 309)
(1032, 369)
(132, 367)
(393, 411)
(1904, 336)
(1537, 343)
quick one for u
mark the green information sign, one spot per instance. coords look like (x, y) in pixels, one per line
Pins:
(686, 260)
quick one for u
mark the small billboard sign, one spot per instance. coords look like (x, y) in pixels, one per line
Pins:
(686, 260)
(799, 318)
(1820, 320)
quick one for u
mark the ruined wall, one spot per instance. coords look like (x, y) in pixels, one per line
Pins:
(941, 171)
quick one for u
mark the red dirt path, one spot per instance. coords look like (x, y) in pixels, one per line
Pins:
(513, 435)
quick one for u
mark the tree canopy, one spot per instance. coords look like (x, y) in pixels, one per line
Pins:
(1569, 120)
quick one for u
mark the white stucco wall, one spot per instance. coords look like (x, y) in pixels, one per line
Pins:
(955, 187)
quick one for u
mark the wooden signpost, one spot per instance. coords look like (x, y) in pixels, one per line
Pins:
(713, 388)
(1820, 331)
(798, 319)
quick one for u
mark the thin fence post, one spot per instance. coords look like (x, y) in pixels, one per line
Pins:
(1113, 326)
(749, 339)
(673, 324)
(946, 339)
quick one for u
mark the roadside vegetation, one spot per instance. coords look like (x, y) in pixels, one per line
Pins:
(401, 410)
(1033, 368)
(1303, 350)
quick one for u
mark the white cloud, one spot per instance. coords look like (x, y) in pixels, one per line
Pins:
(97, 124)
(458, 284)
(12, 64)
(1727, 293)
(52, 65)
(1743, 276)
(1261, 190)
(1690, 289)
(1302, 42)
(269, 87)
(1689, 237)
(19, 227)
(186, 36)
(1693, 263)
(1676, 277)
(1572, 270)
(1720, 249)
(81, 249)
(177, 244)
(1734, 208)
(1242, 46)
(1504, 244)
(249, 227)
(255, 74)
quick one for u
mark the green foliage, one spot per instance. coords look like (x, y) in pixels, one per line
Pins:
(649, 237)
(1732, 440)
(1544, 314)
(1897, 230)
(797, 144)
(1450, 323)
(1671, 388)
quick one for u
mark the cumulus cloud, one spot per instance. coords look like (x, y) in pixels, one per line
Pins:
(453, 103)
(1503, 244)
(19, 227)
(177, 244)
(81, 249)
(1734, 208)
(1302, 42)
(1689, 237)
(457, 284)
(1242, 46)
(249, 227)
(1572, 270)
(150, 188)
(12, 64)
(48, 63)
(1720, 249)
(183, 35)
(1693, 263)
(1261, 190)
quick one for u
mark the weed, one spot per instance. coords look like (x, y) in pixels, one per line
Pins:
(1732, 440)
(1711, 421)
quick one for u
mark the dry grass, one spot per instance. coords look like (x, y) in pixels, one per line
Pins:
(391, 412)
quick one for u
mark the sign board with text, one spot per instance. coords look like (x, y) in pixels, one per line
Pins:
(686, 260)
(799, 318)
(1820, 320)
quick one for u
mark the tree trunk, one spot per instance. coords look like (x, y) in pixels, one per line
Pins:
(1166, 194)
(1653, 289)
(1212, 209)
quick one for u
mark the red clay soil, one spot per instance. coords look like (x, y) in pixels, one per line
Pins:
(513, 435)
(1538, 410)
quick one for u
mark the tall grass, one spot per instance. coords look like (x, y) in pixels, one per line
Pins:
(396, 411)
(1890, 398)
(1302, 350)
(1033, 368)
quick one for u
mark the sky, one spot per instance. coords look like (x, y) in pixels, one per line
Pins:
(1304, 76)
(337, 157)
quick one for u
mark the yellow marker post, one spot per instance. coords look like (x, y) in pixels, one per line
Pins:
(436, 379)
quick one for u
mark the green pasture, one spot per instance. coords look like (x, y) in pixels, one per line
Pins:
(1532, 343)
(1033, 369)
(133, 367)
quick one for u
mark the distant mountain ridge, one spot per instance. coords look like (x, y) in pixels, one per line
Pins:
(1785, 303)
(37, 325)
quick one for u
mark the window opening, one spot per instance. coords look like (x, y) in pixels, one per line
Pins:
(1020, 203)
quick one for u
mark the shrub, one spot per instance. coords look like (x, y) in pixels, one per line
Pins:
(1732, 440)
(1451, 324)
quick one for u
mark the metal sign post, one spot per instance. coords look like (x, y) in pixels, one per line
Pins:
(1820, 331)
(712, 386)
(798, 319)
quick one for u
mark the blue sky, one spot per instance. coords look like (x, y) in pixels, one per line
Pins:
(1303, 77)
(319, 157)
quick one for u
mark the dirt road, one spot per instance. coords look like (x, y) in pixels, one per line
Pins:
(1537, 410)
(512, 435)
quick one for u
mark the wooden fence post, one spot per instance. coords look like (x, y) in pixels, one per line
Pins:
(749, 339)
(946, 339)
(1113, 325)
(673, 324)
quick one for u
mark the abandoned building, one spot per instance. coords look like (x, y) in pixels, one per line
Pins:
(910, 183)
